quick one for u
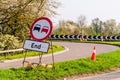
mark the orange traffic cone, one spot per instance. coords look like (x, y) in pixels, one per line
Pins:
(93, 57)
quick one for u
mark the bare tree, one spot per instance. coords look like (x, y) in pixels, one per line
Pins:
(82, 22)
(97, 26)
(110, 27)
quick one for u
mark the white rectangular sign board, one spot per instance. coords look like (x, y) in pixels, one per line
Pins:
(36, 46)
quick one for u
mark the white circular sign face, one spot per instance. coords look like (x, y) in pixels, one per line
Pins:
(41, 29)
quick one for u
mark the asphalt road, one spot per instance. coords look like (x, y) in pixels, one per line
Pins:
(72, 51)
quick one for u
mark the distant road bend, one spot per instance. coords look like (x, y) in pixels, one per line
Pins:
(73, 51)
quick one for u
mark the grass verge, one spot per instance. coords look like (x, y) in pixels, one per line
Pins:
(104, 62)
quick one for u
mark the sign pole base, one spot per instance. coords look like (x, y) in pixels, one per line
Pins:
(24, 59)
(40, 58)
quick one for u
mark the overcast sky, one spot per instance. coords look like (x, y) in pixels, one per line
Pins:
(103, 9)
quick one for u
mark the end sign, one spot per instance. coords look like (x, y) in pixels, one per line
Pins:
(36, 46)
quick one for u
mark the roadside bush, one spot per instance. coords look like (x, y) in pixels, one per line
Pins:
(9, 42)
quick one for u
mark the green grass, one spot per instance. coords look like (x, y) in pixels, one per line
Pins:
(104, 62)
(117, 43)
(10, 56)
(112, 43)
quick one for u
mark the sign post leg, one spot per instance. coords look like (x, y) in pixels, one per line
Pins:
(52, 53)
(24, 59)
(40, 58)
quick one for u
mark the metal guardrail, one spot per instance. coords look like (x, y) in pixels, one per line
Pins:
(14, 50)
(88, 37)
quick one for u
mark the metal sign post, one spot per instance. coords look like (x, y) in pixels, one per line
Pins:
(52, 54)
(40, 58)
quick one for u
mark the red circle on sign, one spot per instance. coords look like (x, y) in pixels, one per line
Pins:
(32, 26)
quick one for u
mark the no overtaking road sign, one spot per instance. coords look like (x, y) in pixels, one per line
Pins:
(41, 29)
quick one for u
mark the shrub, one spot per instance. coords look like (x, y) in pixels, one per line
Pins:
(9, 42)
